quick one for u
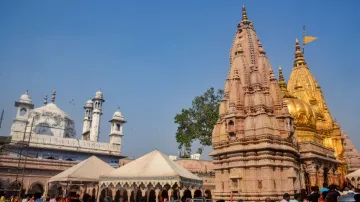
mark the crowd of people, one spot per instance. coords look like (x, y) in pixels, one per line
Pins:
(326, 194)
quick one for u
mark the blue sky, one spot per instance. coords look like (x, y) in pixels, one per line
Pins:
(152, 57)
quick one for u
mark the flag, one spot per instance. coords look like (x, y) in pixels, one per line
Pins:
(309, 39)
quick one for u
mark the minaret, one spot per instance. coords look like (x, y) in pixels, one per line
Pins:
(254, 153)
(24, 107)
(116, 131)
(87, 120)
(97, 112)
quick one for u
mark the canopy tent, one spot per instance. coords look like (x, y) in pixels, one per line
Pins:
(153, 168)
(354, 178)
(88, 170)
(354, 174)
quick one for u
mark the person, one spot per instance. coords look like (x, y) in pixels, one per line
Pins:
(286, 198)
(52, 198)
(332, 194)
(37, 197)
(32, 199)
(323, 196)
(314, 195)
(357, 197)
(267, 199)
(297, 198)
(324, 188)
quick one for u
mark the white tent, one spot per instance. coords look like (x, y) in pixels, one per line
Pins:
(88, 170)
(153, 168)
(354, 177)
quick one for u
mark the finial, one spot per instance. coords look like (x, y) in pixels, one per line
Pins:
(244, 15)
(27, 91)
(45, 99)
(299, 57)
(53, 96)
(281, 76)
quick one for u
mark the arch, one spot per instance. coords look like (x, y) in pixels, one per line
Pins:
(152, 196)
(208, 194)
(117, 127)
(197, 194)
(13, 189)
(106, 192)
(164, 194)
(187, 194)
(22, 112)
(56, 190)
(175, 194)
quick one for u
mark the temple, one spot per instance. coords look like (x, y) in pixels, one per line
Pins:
(317, 134)
(255, 153)
(351, 154)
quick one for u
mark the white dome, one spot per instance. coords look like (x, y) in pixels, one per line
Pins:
(25, 98)
(89, 103)
(99, 95)
(52, 121)
(118, 116)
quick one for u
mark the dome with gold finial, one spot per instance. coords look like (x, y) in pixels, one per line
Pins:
(304, 115)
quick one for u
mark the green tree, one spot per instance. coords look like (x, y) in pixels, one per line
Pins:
(197, 122)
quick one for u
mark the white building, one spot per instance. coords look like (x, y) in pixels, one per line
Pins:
(52, 132)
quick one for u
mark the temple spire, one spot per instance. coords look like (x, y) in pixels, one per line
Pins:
(53, 96)
(283, 85)
(46, 99)
(299, 57)
(244, 15)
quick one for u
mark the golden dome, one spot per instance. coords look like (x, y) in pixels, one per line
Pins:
(304, 115)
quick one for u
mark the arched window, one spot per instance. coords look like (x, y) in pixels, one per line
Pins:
(117, 127)
(22, 112)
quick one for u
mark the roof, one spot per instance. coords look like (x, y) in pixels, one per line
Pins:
(154, 167)
(51, 107)
(354, 174)
(88, 170)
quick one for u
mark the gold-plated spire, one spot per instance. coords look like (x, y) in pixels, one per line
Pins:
(45, 99)
(244, 15)
(299, 57)
(283, 85)
(53, 96)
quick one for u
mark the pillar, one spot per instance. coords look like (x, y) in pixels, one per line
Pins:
(320, 175)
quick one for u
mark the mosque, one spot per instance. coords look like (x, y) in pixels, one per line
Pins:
(52, 145)
(272, 137)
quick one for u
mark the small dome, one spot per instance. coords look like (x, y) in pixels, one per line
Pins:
(99, 95)
(118, 116)
(89, 103)
(26, 98)
(304, 115)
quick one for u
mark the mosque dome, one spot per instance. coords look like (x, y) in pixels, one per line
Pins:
(89, 103)
(25, 98)
(118, 116)
(52, 121)
(99, 95)
(304, 115)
